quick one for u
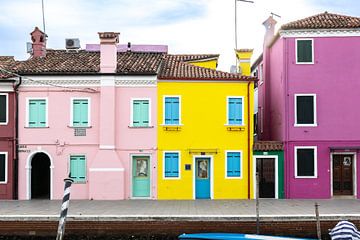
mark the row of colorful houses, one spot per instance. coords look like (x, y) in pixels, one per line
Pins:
(133, 121)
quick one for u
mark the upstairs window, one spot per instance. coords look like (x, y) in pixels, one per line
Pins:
(3, 167)
(233, 164)
(235, 110)
(305, 110)
(80, 112)
(3, 109)
(304, 51)
(305, 162)
(140, 115)
(78, 168)
(171, 164)
(37, 113)
(172, 110)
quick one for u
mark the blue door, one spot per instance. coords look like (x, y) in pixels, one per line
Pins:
(202, 178)
(141, 177)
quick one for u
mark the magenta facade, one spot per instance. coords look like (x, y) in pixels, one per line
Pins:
(7, 140)
(332, 80)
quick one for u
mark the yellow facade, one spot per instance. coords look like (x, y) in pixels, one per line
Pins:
(203, 131)
(244, 58)
(211, 63)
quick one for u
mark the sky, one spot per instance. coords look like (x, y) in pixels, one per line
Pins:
(186, 26)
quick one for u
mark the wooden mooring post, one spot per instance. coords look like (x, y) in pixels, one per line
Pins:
(318, 227)
(257, 205)
(64, 208)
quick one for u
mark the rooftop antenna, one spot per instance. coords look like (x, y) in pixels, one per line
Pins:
(43, 15)
(274, 14)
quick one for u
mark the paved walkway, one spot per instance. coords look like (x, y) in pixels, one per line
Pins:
(241, 210)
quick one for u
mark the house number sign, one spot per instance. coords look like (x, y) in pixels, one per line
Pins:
(347, 161)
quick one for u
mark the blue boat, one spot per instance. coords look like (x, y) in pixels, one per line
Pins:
(234, 236)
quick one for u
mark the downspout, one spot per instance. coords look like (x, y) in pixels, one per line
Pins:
(287, 124)
(16, 160)
(248, 132)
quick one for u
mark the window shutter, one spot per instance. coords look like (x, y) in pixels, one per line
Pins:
(84, 106)
(171, 164)
(238, 110)
(144, 111)
(235, 111)
(136, 113)
(168, 165)
(3, 106)
(78, 168)
(42, 113)
(229, 165)
(76, 113)
(81, 168)
(168, 108)
(236, 164)
(233, 164)
(33, 113)
(175, 110)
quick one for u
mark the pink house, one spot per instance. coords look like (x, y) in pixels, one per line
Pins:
(89, 115)
(307, 99)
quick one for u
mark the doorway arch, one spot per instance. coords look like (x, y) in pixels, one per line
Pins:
(39, 175)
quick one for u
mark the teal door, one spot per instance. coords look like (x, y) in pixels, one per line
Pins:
(202, 178)
(141, 177)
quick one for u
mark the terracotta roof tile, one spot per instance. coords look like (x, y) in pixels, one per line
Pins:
(177, 70)
(324, 20)
(268, 146)
(7, 63)
(191, 57)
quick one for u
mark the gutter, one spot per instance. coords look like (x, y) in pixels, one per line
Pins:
(16, 142)
(248, 132)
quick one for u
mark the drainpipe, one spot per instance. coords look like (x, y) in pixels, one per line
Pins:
(287, 124)
(16, 160)
(248, 132)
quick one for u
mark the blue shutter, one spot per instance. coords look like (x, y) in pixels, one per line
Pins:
(172, 113)
(233, 164)
(168, 119)
(235, 113)
(171, 165)
(175, 110)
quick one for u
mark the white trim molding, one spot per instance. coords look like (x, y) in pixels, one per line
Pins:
(295, 110)
(276, 157)
(6, 167)
(315, 175)
(163, 120)
(312, 51)
(241, 163)
(6, 108)
(179, 165)
(150, 169)
(72, 110)
(355, 32)
(242, 109)
(46, 109)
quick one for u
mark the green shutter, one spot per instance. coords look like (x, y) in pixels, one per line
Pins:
(145, 113)
(78, 168)
(80, 113)
(141, 113)
(37, 113)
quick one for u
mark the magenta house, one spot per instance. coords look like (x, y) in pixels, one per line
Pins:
(307, 99)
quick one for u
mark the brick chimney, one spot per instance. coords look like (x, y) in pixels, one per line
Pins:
(108, 51)
(269, 25)
(38, 39)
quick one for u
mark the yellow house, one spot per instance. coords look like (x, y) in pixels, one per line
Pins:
(243, 57)
(205, 133)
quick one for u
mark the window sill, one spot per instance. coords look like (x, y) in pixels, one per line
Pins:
(231, 127)
(304, 63)
(233, 178)
(79, 126)
(140, 127)
(305, 125)
(305, 177)
(171, 178)
(37, 127)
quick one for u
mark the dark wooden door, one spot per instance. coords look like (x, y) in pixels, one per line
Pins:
(343, 175)
(265, 167)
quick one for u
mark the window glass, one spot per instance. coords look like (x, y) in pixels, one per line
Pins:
(304, 51)
(3, 107)
(305, 110)
(2, 168)
(305, 162)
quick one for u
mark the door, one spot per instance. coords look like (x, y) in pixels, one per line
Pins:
(141, 176)
(202, 178)
(343, 174)
(40, 176)
(265, 167)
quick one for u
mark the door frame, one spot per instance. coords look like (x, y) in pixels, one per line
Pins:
(28, 172)
(131, 174)
(211, 174)
(276, 157)
(353, 172)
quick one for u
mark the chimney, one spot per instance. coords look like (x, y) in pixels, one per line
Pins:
(38, 39)
(108, 51)
(244, 58)
(269, 25)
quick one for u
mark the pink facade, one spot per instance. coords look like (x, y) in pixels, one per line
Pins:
(333, 79)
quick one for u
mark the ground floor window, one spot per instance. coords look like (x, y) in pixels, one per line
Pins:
(306, 162)
(3, 167)
(171, 164)
(233, 164)
(78, 168)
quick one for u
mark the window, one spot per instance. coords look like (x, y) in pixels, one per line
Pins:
(140, 113)
(37, 113)
(261, 74)
(171, 165)
(172, 110)
(306, 162)
(304, 51)
(235, 110)
(3, 108)
(78, 168)
(3, 167)
(80, 113)
(305, 110)
(233, 164)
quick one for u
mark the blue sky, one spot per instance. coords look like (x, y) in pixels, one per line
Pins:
(186, 26)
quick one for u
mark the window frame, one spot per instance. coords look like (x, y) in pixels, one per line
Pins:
(6, 167)
(296, 161)
(242, 109)
(241, 164)
(72, 111)
(312, 50)
(28, 112)
(6, 108)
(164, 107)
(86, 171)
(314, 112)
(179, 165)
(132, 112)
